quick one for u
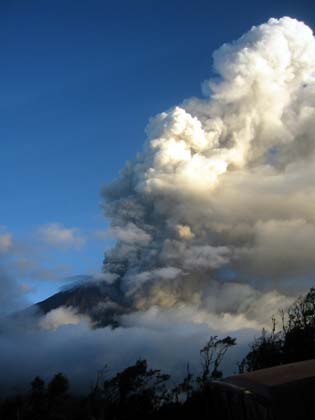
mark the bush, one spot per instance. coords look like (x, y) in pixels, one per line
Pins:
(293, 343)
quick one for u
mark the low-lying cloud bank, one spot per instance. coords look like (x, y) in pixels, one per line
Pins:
(168, 341)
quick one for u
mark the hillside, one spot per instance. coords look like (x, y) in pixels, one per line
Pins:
(101, 302)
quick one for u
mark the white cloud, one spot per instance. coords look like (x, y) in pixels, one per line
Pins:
(59, 317)
(55, 234)
(6, 242)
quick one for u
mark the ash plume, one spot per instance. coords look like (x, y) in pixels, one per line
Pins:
(216, 212)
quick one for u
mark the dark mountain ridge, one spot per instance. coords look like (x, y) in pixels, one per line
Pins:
(102, 302)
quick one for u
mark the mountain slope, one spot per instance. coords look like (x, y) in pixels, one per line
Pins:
(101, 302)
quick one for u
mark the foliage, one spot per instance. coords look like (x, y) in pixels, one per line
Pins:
(295, 341)
(58, 386)
(212, 355)
(38, 386)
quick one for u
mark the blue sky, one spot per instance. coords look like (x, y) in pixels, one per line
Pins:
(79, 81)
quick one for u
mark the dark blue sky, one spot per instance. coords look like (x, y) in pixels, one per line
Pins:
(79, 81)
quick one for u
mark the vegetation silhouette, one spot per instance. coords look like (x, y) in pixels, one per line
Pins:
(293, 342)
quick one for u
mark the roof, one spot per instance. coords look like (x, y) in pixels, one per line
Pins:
(275, 377)
(288, 390)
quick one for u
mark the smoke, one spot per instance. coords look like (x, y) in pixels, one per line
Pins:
(216, 211)
(59, 317)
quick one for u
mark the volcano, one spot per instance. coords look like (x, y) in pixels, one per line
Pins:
(102, 303)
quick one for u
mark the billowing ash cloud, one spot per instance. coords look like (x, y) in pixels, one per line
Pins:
(217, 210)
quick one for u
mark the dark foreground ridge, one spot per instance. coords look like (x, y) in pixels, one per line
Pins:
(282, 392)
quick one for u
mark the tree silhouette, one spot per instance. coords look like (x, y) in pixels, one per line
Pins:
(294, 342)
(212, 355)
(58, 386)
(38, 386)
